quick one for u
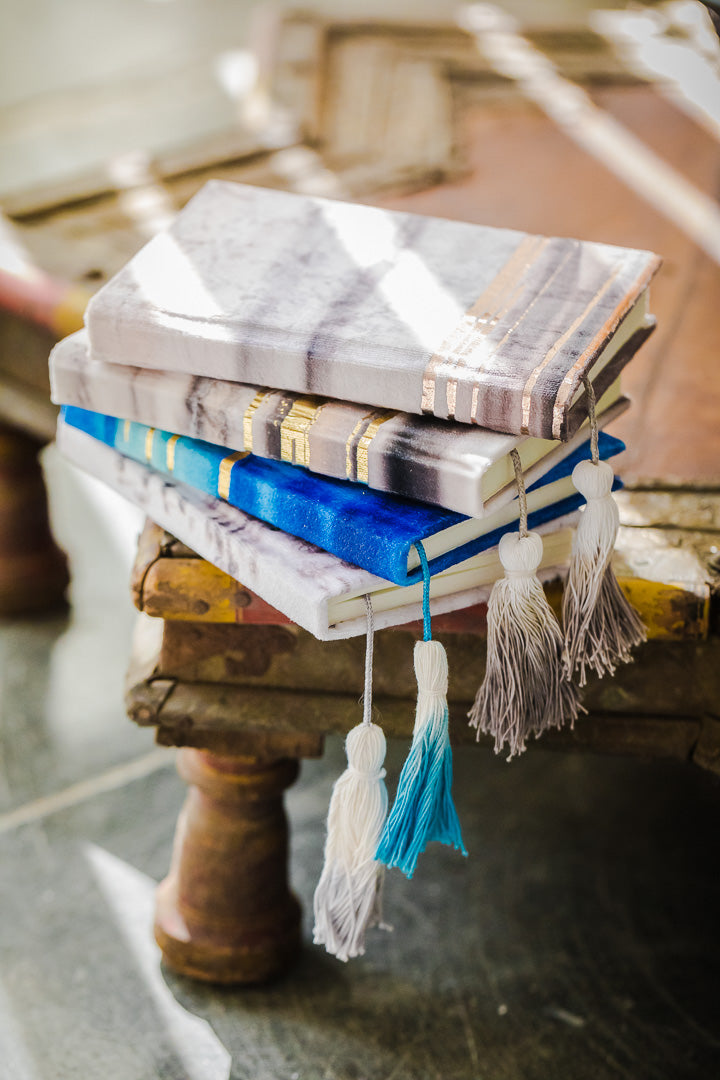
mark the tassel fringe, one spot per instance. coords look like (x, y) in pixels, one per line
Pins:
(348, 898)
(601, 626)
(524, 691)
(423, 810)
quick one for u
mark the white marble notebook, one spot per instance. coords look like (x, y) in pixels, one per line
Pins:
(458, 466)
(314, 589)
(392, 310)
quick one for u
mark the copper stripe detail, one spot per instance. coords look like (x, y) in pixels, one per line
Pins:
(295, 430)
(170, 452)
(225, 471)
(483, 316)
(554, 349)
(149, 439)
(248, 418)
(566, 386)
(363, 447)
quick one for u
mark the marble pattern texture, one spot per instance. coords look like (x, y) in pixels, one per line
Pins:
(378, 307)
(435, 461)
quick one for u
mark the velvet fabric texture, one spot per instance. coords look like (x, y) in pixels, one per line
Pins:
(367, 528)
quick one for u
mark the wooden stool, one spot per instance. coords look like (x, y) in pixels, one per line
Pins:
(246, 701)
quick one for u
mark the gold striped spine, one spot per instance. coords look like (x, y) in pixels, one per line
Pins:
(170, 452)
(149, 439)
(225, 471)
(248, 419)
(295, 430)
(363, 468)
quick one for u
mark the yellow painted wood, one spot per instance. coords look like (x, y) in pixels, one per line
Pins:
(191, 588)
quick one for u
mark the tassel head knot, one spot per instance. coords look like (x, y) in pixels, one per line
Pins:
(431, 668)
(593, 481)
(365, 749)
(520, 555)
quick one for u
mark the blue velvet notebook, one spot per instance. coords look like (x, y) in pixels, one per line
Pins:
(368, 528)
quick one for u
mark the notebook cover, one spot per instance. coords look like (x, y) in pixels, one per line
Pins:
(291, 575)
(384, 308)
(436, 461)
(367, 528)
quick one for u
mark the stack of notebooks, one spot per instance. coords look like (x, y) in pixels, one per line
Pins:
(359, 414)
(301, 389)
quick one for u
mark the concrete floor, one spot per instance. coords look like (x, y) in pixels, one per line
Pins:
(578, 941)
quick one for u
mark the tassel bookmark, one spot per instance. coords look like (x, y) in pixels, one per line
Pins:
(423, 810)
(601, 627)
(348, 898)
(524, 691)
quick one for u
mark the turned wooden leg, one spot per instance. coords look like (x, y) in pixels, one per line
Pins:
(225, 913)
(33, 570)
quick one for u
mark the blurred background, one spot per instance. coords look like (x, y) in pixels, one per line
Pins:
(599, 120)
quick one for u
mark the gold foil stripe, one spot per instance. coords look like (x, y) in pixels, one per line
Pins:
(149, 439)
(126, 431)
(363, 469)
(349, 446)
(170, 452)
(482, 317)
(451, 396)
(295, 430)
(248, 418)
(554, 349)
(225, 471)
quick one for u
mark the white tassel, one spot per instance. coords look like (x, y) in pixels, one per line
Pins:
(348, 898)
(524, 691)
(601, 627)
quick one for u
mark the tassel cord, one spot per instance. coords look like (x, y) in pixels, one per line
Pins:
(592, 417)
(369, 650)
(522, 494)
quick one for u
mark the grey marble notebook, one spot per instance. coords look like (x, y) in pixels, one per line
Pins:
(386, 309)
(312, 588)
(457, 466)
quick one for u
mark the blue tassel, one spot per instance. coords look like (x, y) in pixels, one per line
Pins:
(423, 810)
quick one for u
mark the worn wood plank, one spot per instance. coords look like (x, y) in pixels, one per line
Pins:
(220, 716)
(666, 678)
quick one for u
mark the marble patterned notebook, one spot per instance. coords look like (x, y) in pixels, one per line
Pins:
(370, 529)
(426, 316)
(312, 588)
(457, 466)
